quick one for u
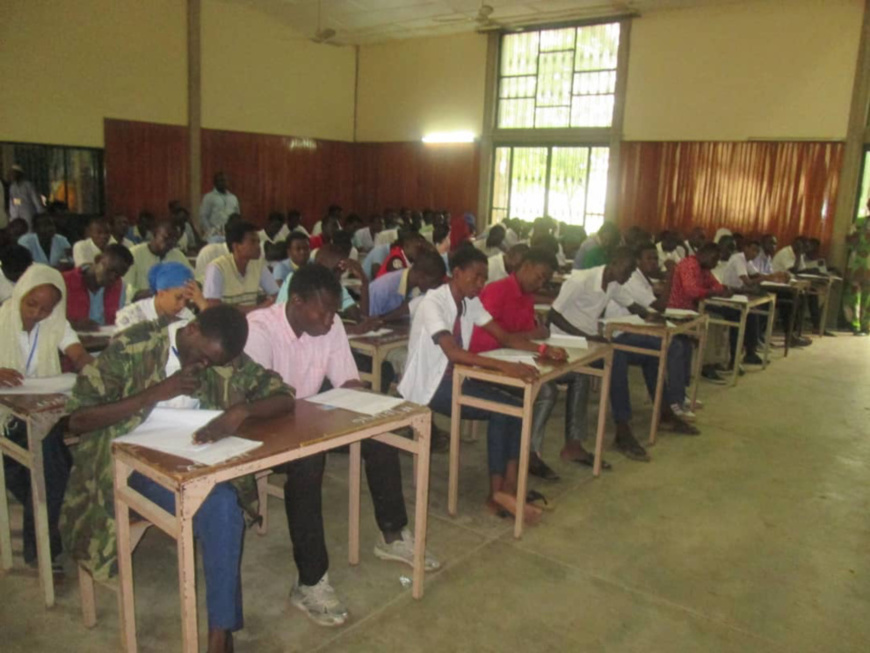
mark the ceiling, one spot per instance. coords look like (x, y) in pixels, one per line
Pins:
(358, 22)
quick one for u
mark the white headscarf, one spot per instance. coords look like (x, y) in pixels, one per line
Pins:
(721, 234)
(51, 329)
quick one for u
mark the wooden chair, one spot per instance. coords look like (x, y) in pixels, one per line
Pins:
(87, 583)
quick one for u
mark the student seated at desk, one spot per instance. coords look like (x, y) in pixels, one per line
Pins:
(146, 255)
(173, 288)
(403, 253)
(239, 277)
(192, 365)
(118, 227)
(298, 254)
(14, 261)
(693, 281)
(504, 264)
(582, 302)
(440, 337)
(594, 250)
(391, 294)
(46, 245)
(273, 238)
(95, 292)
(305, 342)
(34, 332)
(511, 303)
(99, 237)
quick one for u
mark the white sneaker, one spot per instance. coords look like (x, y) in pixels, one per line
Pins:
(682, 413)
(319, 603)
(403, 551)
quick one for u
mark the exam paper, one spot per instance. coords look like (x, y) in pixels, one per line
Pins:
(44, 385)
(565, 342)
(739, 299)
(512, 356)
(366, 403)
(680, 313)
(171, 430)
(371, 334)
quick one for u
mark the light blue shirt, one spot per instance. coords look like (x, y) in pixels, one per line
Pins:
(216, 207)
(284, 294)
(59, 248)
(388, 292)
(378, 255)
(283, 269)
(97, 311)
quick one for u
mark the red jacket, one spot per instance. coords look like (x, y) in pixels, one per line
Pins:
(396, 260)
(78, 301)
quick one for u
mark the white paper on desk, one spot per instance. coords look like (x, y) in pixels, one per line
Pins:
(775, 284)
(43, 385)
(565, 342)
(366, 403)
(171, 430)
(512, 356)
(541, 308)
(806, 275)
(108, 330)
(625, 319)
(371, 334)
(737, 299)
(680, 313)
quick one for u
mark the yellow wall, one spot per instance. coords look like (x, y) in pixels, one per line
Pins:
(66, 65)
(778, 70)
(413, 87)
(260, 76)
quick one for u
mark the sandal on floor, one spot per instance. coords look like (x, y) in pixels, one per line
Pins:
(535, 498)
(590, 462)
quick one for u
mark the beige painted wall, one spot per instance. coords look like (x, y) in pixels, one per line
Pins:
(260, 76)
(413, 87)
(66, 65)
(781, 70)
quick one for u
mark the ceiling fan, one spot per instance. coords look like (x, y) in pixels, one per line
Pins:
(324, 35)
(483, 18)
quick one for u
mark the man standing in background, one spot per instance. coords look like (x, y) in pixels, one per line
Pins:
(217, 206)
(24, 201)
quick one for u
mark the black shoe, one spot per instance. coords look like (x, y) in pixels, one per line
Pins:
(711, 375)
(798, 341)
(539, 468)
(753, 359)
(629, 447)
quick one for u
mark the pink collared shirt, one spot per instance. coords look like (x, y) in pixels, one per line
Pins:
(305, 362)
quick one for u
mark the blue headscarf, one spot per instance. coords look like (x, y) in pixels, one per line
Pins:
(168, 275)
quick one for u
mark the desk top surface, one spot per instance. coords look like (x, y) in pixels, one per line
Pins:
(24, 405)
(577, 358)
(399, 331)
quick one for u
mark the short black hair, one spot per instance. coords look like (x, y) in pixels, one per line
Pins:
(538, 256)
(97, 218)
(313, 279)
(42, 217)
(749, 242)
(440, 232)
(15, 260)
(236, 231)
(430, 263)
(640, 248)
(343, 241)
(708, 248)
(226, 324)
(353, 218)
(296, 235)
(545, 241)
(276, 216)
(119, 252)
(621, 253)
(466, 255)
(496, 235)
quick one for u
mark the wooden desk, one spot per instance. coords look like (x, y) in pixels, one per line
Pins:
(693, 327)
(41, 412)
(580, 360)
(821, 285)
(310, 430)
(795, 290)
(378, 347)
(751, 306)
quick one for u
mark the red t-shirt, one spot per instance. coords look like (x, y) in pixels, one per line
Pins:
(511, 309)
(691, 283)
(395, 260)
(315, 242)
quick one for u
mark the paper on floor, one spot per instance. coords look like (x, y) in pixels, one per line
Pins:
(356, 401)
(171, 430)
(44, 385)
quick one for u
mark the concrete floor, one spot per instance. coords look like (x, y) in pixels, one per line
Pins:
(753, 537)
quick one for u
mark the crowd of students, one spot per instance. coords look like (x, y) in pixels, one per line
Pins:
(263, 317)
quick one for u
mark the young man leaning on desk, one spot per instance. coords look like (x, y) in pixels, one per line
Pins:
(304, 341)
(190, 365)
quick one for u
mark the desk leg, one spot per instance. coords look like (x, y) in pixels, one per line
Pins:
(771, 318)
(699, 362)
(353, 517)
(823, 320)
(525, 446)
(602, 413)
(5, 527)
(376, 371)
(126, 601)
(455, 420)
(738, 351)
(37, 429)
(790, 326)
(423, 429)
(187, 502)
(660, 387)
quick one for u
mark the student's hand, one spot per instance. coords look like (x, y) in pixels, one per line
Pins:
(85, 325)
(555, 354)
(193, 293)
(654, 318)
(185, 381)
(353, 268)
(521, 371)
(266, 303)
(222, 426)
(10, 378)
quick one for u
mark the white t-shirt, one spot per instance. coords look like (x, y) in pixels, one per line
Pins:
(6, 287)
(582, 301)
(173, 364)
(206, 255)
(735, 268)
(784, 260)
(637, 290)
(427, 362)
(144, 311)
(27, 343)
(719, 270)
(677, 255)
(497, 270)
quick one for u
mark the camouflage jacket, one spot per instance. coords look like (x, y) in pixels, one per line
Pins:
(135, 360)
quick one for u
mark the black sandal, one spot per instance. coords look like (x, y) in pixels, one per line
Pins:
(590, 462)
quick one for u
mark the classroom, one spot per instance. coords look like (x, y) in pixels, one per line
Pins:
(535, 323)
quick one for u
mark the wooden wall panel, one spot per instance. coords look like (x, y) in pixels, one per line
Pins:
(785, 188)
(146, 166)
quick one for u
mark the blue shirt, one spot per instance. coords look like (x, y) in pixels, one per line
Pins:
(388, 292)
(97, 311)
(377, 256)
(59, 248)
(283, 270)
(284, 294)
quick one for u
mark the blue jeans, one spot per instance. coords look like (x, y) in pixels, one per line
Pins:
(503, 432)
(219, 526)
(674, 391)
(575, 409)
